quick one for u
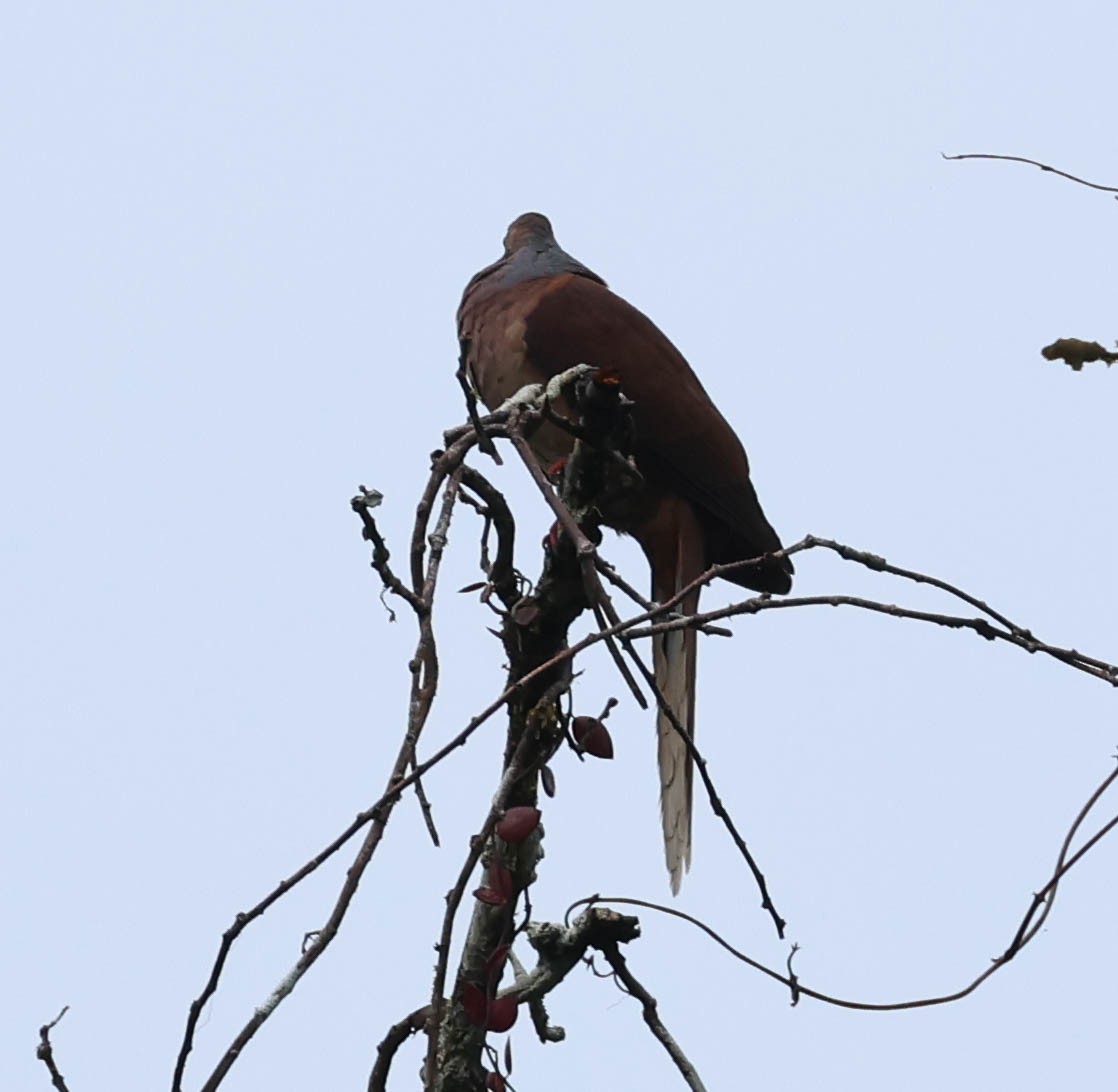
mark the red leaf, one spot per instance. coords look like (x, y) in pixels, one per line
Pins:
(500, 879)
(502, 1012)
(475, 1003)
(592, 737)
(490, 897)
(496, 961)
(495, 1082)
(491, 1013)
(517, 823)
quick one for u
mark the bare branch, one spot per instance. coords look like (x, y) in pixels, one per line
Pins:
(538, 674)
(618, 581)
(463, 377)
(587, 554)
(397, 1035)
(1099, 669)
(424, 682)
(1009, 631)
(45, 1052)
(501, 572)
(649, 1010)
(1046, 896)
(716, 804)
(560, 948)
(362, 504)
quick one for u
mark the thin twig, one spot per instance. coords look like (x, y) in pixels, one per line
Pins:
(1023, 935)
(1034, 163)
(425, 663)
(649, 1010)
(443, 464)
(501, 571)
(483, 439)
(318, 945)
(586, 552)
(1098, 669)
(716, 805)
(1046, 896)
(424, 569)
(618, 581)
(45, 1051)
(879, 564)
(378, 811)
(423, 688)
(362, 504)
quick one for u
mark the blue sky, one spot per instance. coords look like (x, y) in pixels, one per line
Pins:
(234, 238)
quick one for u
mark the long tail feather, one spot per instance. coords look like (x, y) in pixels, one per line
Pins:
(678, 554)
(674, 662)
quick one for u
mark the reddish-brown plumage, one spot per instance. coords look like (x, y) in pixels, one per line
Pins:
(538, 311)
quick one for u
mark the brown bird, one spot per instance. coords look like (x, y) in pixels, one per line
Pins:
(537, 312)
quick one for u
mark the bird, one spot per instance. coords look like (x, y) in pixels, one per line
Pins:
(536, 312)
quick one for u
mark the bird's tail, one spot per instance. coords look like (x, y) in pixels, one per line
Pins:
(674, 656)
(674, 660)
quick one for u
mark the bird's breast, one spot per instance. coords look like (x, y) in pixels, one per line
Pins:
(494, 329)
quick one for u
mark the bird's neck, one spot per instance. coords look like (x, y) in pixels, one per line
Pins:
(527, 263)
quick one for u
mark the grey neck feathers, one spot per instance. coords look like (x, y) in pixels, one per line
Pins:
(536, 258)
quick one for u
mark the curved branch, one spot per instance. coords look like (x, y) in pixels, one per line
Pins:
(396, 1036)
(650, 1011)
(1027, 930)
(1034, 163)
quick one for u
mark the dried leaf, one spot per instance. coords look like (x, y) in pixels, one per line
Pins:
(1075, 352)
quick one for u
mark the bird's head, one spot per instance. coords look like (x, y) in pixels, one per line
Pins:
(530, 229)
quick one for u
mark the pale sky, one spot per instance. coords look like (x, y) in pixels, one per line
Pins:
(234, 238)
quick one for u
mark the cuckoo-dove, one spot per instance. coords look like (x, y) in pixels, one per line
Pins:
(535, 313)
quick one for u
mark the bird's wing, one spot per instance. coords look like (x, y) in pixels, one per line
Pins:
(683, 441)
